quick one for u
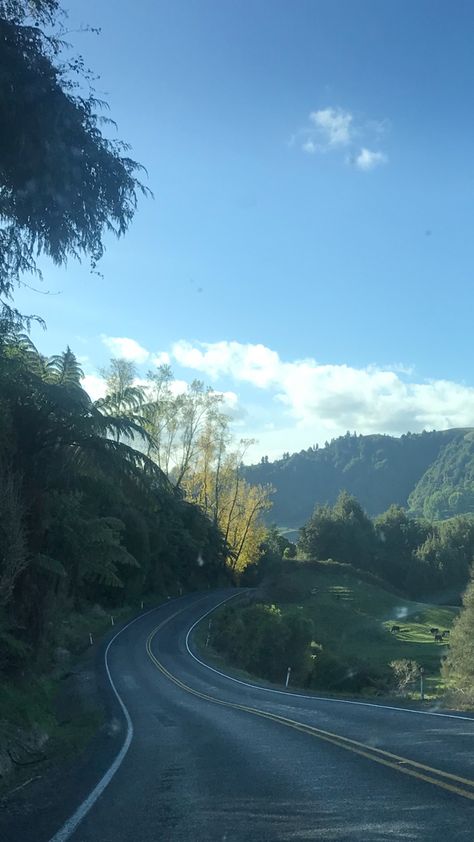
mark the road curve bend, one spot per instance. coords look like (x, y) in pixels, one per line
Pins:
(205, 757)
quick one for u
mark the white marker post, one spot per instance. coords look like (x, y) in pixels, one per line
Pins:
(287, 676)
(91, 639)
(422, 684)
(111, 620)
(208, 633)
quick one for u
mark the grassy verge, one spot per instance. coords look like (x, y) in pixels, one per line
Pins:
(52, 711)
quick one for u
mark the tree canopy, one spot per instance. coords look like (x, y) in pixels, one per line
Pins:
(63, 182)
(415, 556)
(85, 514)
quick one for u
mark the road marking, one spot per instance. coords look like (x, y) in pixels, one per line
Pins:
(404, 765)
(68, 828)
(302, 695)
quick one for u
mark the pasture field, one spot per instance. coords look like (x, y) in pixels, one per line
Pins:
(353, 614)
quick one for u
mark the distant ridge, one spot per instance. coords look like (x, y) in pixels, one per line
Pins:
(430, 473)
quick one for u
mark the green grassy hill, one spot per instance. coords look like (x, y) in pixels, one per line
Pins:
(353, 615)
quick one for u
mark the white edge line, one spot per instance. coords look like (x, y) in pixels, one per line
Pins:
(71, 824)
(301, 695)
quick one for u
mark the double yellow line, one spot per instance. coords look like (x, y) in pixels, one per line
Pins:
(445, 780)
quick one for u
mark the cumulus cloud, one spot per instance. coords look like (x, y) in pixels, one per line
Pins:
(334, 128)
(128, 349)
(162, 358)
(94, 385)
(322, 400)
(256, 364)
(334, 125)
(366, 159)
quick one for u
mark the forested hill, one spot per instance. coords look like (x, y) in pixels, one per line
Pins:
(432, 473)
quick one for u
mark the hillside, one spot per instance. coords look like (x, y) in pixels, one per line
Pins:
(379, 470)
(352, 615)
(447, 487)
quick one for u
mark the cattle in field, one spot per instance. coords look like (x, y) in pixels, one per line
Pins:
(438, 638)
(395, 629)
(434, 631)
(446, 633)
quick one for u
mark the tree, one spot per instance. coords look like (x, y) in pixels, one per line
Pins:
(123, 396)
(447, 554)
(459, 665)
(84, 514)
(261, 639)
(343, 532)
(63, 183)
(398, 538)
(215, 483)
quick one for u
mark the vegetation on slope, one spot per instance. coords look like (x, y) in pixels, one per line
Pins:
(429, 561)
(379, 470)
(100, 502)
(447, 487)
(458, 669)
(343, 618)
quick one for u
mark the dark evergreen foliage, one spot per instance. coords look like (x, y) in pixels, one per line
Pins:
(85, 516)
(63, 183)
(419, 558)
(378, 470)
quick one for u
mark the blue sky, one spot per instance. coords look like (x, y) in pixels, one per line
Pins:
(309, 250)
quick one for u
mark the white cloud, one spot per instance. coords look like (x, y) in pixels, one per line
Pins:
(334, 125)
(128, 349)
(367, 159)
(309, 146)
(232, 407)
(254, 363)
(178, 387)
(161, 358)
(94, 385)
(296, 403)
(334, 128)
(319, 401)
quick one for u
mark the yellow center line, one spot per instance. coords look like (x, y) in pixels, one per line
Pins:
(377, 755)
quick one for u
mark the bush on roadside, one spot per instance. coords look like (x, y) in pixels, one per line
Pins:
(405, 674)
(264, 642)
(337, 675)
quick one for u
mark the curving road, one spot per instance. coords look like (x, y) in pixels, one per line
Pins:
(205, 757)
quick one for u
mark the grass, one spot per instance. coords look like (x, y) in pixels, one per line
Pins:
(353, 617)
(353, 614)
(42, 702)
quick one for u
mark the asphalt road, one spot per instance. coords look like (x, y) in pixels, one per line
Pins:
(214, 759)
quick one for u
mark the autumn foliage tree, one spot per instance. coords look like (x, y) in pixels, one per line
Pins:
(189, 439)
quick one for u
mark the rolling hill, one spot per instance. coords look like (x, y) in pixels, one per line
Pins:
(353, 615)
(430, 473)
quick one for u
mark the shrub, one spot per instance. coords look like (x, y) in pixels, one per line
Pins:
(405, 673)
